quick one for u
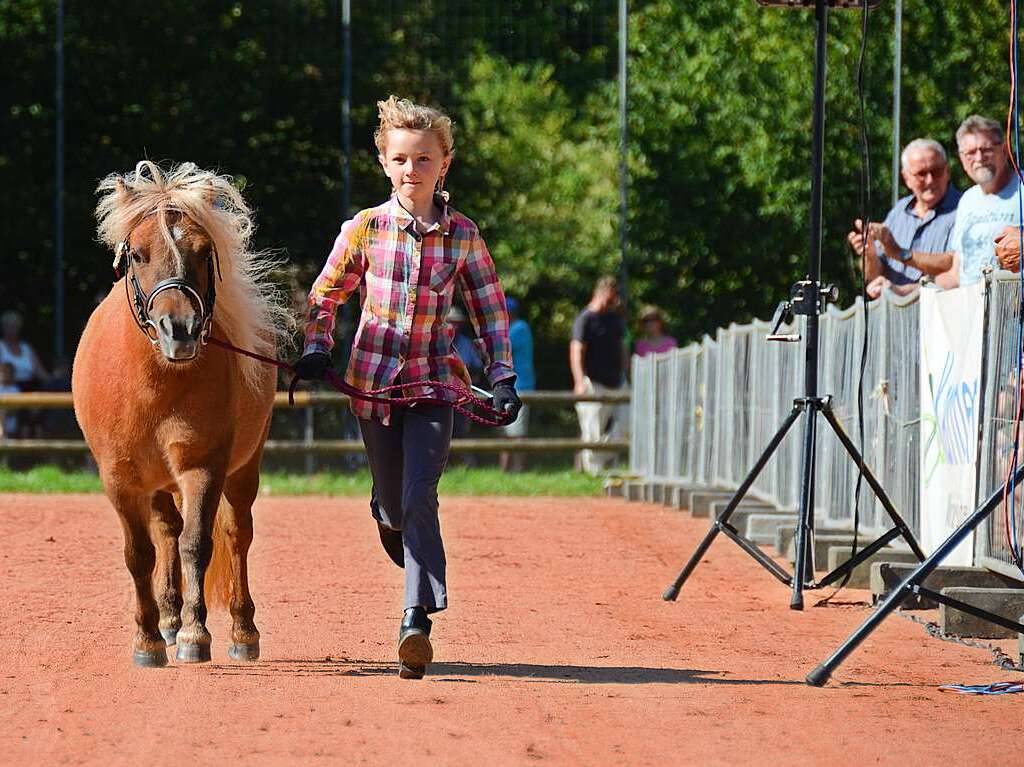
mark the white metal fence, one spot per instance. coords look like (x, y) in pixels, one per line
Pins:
(1000, 388)
(702, 415)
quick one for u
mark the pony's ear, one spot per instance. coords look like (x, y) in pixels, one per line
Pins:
(213, 198)
(122, 191)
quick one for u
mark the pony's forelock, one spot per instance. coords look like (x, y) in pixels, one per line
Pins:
(250, 309)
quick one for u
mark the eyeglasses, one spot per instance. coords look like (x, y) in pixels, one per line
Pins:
(985, 150)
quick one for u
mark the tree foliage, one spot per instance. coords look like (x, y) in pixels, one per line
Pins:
(719, 152)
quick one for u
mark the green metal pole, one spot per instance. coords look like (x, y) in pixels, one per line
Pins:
(897, 78)
(58, 199)
(623, 150)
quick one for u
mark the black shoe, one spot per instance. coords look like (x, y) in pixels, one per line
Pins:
(414, 650)
(391, 540)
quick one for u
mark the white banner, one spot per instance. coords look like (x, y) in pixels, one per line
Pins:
(952, 335)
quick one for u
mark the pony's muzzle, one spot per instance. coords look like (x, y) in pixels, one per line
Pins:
(178, 338)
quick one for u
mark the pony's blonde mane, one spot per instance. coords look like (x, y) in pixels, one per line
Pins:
(250, 310)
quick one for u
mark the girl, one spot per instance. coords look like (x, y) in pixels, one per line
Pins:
(406, 257)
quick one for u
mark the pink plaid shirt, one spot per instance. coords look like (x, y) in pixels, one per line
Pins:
(406, 282)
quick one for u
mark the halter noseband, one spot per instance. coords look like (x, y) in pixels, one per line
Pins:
(143, 303)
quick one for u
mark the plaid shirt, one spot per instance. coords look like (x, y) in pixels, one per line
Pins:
(406, 282)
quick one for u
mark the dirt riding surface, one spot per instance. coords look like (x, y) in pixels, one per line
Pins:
(557, 649)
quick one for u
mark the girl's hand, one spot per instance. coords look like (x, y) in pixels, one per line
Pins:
(312, 366)
(506, 400)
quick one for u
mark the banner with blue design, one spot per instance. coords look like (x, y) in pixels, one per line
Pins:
(952, 336)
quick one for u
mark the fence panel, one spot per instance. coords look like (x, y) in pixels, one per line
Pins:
(703, 414)
(1000, 392)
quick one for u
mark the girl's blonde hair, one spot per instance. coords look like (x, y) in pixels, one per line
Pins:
(402, 114)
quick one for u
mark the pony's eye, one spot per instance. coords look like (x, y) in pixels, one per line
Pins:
(136, 258)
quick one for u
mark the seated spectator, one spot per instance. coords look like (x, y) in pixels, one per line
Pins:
(654, 339)
(8, 420)
(987, 208)
(914, 240)
(522, 362)
(29, 372)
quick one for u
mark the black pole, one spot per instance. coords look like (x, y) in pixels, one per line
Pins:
(817, 171)
(58, 196)
(821, 673)
(623, 149)
(805, 528)
(346, 107)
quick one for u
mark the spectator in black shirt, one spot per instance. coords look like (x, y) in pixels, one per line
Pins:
(597, 357)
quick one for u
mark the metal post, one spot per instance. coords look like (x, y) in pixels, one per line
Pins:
(58, 196)
(346, 107)
(308, 437)
(623, 149)
(897, 79)
(805, 527)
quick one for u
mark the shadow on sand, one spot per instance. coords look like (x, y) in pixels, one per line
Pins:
(468, 672)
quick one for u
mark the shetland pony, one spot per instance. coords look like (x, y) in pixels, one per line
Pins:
(177, 427)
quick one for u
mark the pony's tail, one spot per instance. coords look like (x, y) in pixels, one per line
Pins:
(217, 585)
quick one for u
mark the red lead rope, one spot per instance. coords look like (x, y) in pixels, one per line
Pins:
(491, 416)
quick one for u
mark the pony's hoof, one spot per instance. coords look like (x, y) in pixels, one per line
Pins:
(192, 653)
(150, 658)
(170, 636)
(247, 651)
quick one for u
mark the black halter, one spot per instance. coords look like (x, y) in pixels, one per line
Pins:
(143, 303)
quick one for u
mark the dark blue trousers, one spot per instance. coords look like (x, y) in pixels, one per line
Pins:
(407, 458)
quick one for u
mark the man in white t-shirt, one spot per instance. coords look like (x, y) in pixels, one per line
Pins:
(986, 209)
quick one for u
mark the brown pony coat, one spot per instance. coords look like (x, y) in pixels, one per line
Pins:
(179, 444)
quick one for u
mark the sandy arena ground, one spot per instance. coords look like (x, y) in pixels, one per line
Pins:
(557, 650)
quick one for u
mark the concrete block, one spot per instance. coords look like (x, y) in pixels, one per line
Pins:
(1020, 643)
(615, 488)
(783, 537)
(701, 500)
(823, 541)
(885, 577)
(657, 494)
(861, 576)
(677, 497)
(761, 526)
(738, 518)
(785, 533)
(1006, 602)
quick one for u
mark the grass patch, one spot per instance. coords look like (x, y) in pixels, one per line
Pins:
(458, 480)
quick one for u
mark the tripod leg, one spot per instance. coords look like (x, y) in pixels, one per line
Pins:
(803, 544)
(673, 591)
(820, 675)
(872, 481)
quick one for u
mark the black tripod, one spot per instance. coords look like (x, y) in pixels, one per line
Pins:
(808, 298)
(912, 585)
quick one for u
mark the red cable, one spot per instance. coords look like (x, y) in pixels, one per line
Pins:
(493, 417)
